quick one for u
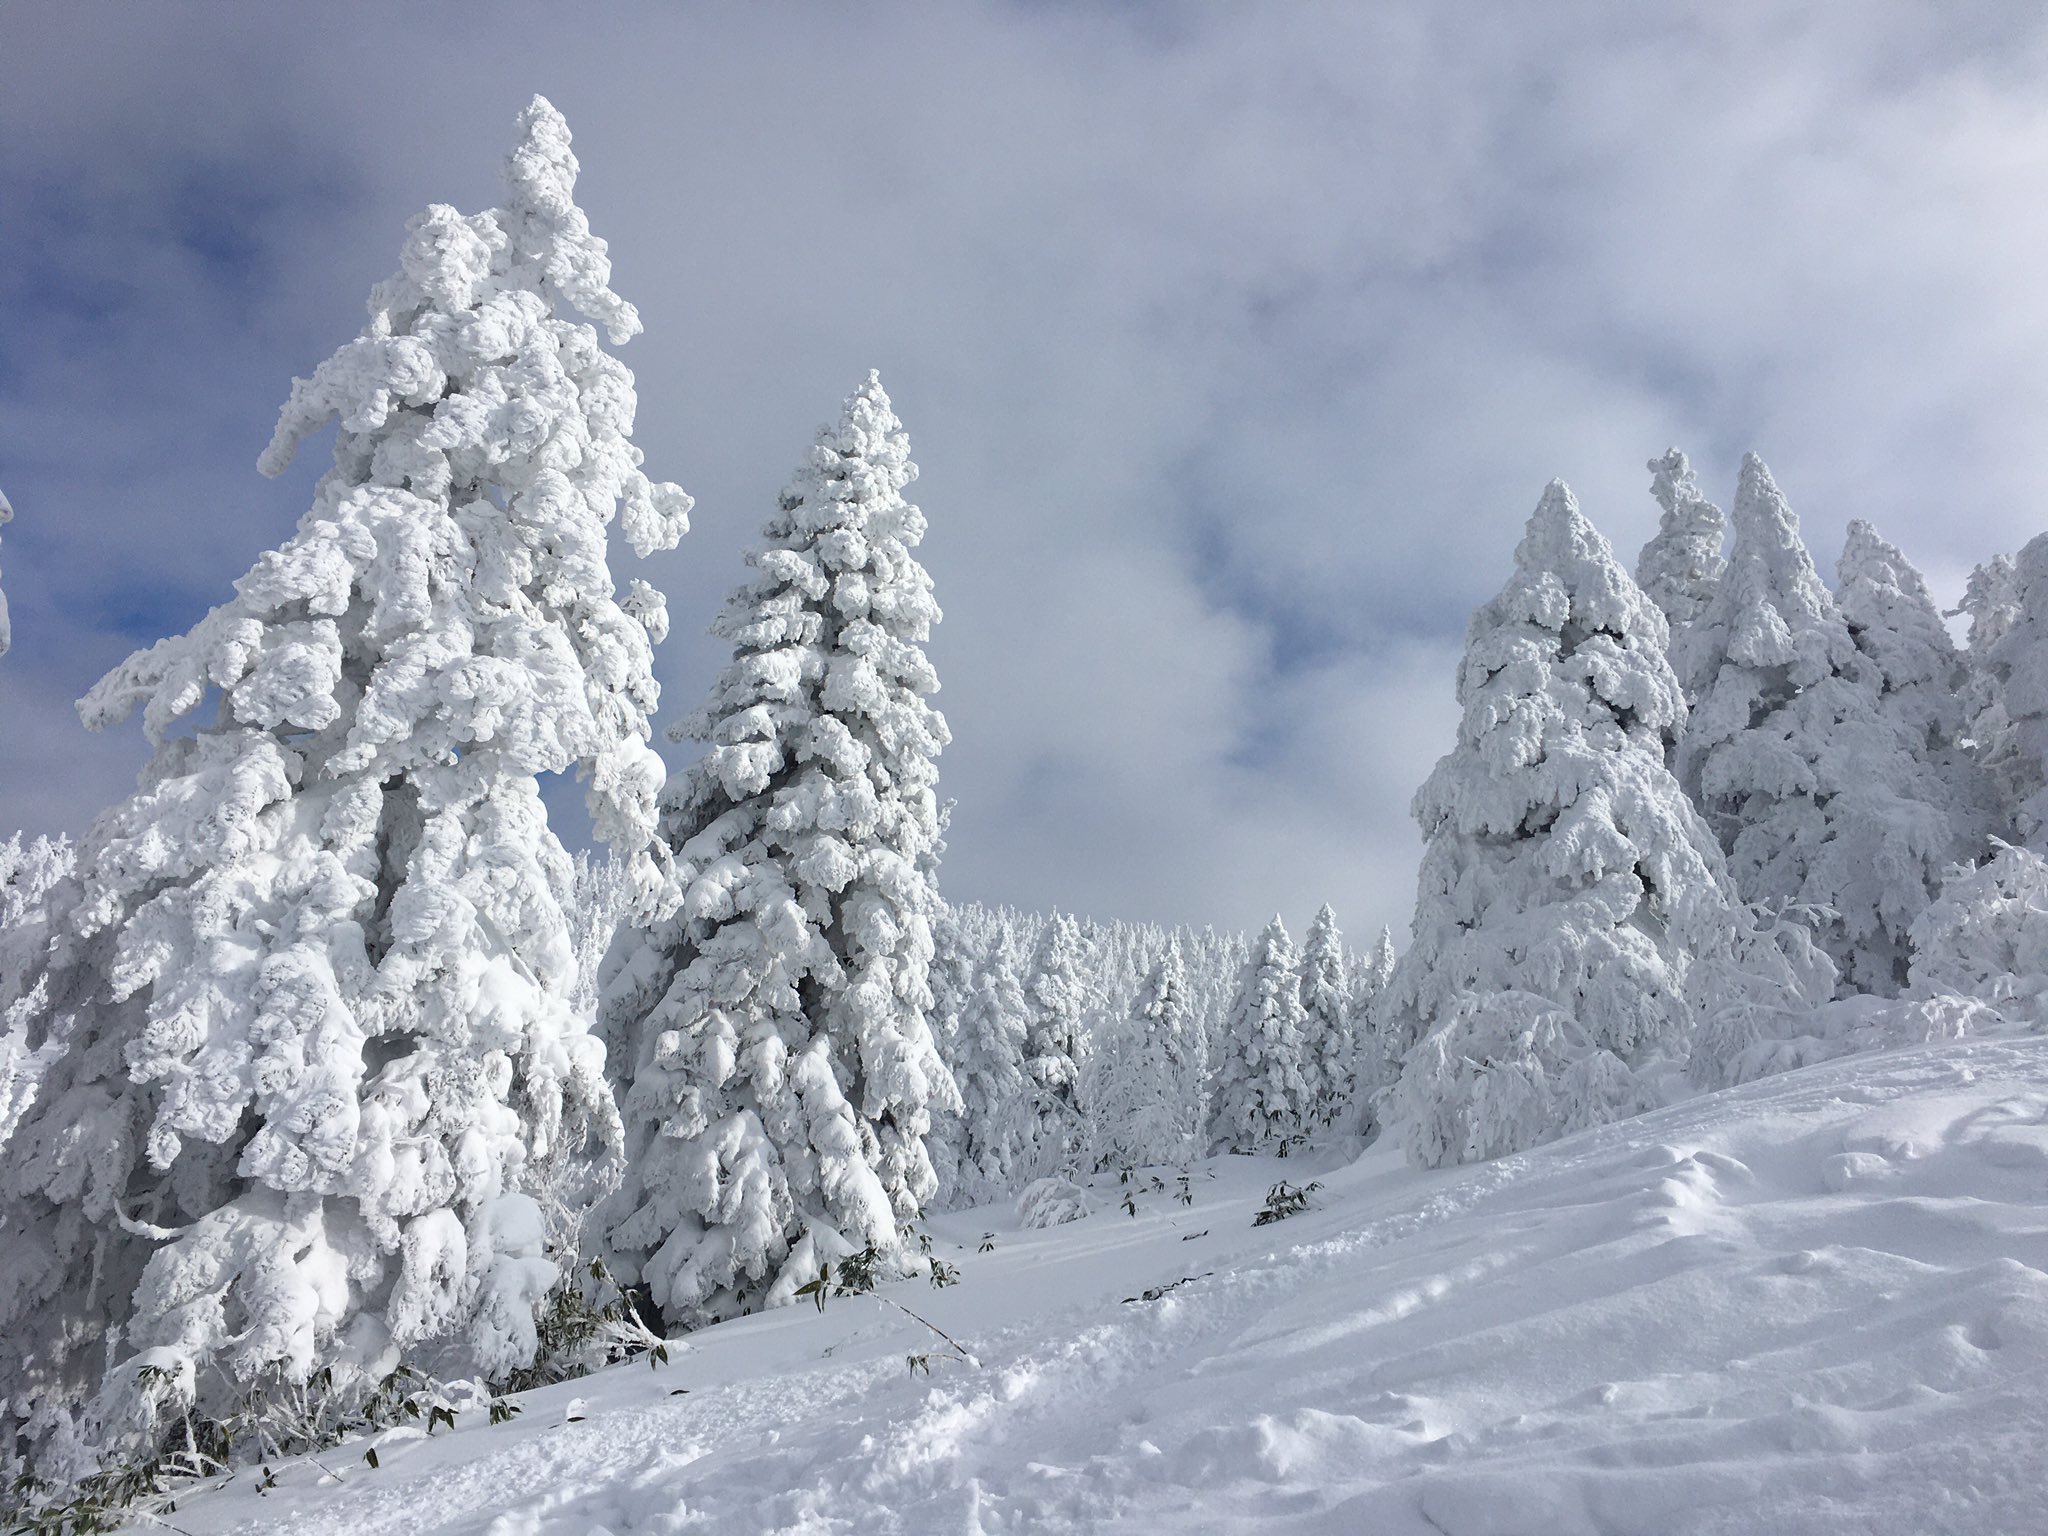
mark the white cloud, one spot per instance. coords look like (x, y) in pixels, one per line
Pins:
(1236, 343)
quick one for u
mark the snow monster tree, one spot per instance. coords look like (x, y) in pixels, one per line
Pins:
(307, 996)
(773, 1022)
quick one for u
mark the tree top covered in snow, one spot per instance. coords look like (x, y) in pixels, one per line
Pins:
(1681, 565)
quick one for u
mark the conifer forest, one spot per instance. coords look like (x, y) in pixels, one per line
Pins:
(535, 1050)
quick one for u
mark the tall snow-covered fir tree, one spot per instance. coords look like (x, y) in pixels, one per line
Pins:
(1145, 1115)
(1893, 622)
(1921, 680)
(309, 990)
(1681, 566)
(1818, 797)
(1567, 884)
(951, 979)
(2018, 667)
(979, 1022)
(1265, 1090)
(1378, 967)
(1374, 1066)
(773, 1024)
(997, 1114)
(1058, 995)
(1991, 600)
(1330, 1060)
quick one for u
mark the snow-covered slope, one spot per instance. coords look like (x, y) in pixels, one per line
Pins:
(1814, 1303)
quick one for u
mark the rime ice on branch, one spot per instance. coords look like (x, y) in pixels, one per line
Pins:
(312, 988)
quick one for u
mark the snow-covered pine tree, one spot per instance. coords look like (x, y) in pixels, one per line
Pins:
(310, 987)
(1819, 800)
(1178, 1041)
(1681, 566)
(2018, 665)
(951, 976)
(997, 1113)
(1330, 1061)
(1567, 884)
(1109, 967)
(1059, 996)
(1375, 1066)
(1264, 1097)
(774, 1024)
(1985, 937)
(1921, 679)
(1144, 1118)
(1991, 600)
(1378, 967)
(1893, 622)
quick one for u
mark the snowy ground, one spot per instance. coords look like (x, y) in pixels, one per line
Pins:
(1817, 1303)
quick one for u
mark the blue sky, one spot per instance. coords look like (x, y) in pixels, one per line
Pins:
(1235, 343)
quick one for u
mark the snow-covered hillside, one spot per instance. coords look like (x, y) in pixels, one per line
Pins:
(1818, 1302)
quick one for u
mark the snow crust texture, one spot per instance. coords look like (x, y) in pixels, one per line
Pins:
(1817, 1304)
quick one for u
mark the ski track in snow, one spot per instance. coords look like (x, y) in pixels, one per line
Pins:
(1816, 1303)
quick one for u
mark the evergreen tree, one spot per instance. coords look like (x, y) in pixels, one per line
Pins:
(952, 987)
(1378, 967)
(1265, 1099)
(997, 1114)
(1376, 1066)
(2018, 667)
(1820, 801)
(1567, 884)
(1144, 1119)
(1681, 566)
(1331, 1057)
(308, 995)
(1921, 680)
(1992, 602)
(1986, 938)
(774, 1022)
(1058, 995)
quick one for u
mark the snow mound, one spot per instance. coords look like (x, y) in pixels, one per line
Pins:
(1813, 1303)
